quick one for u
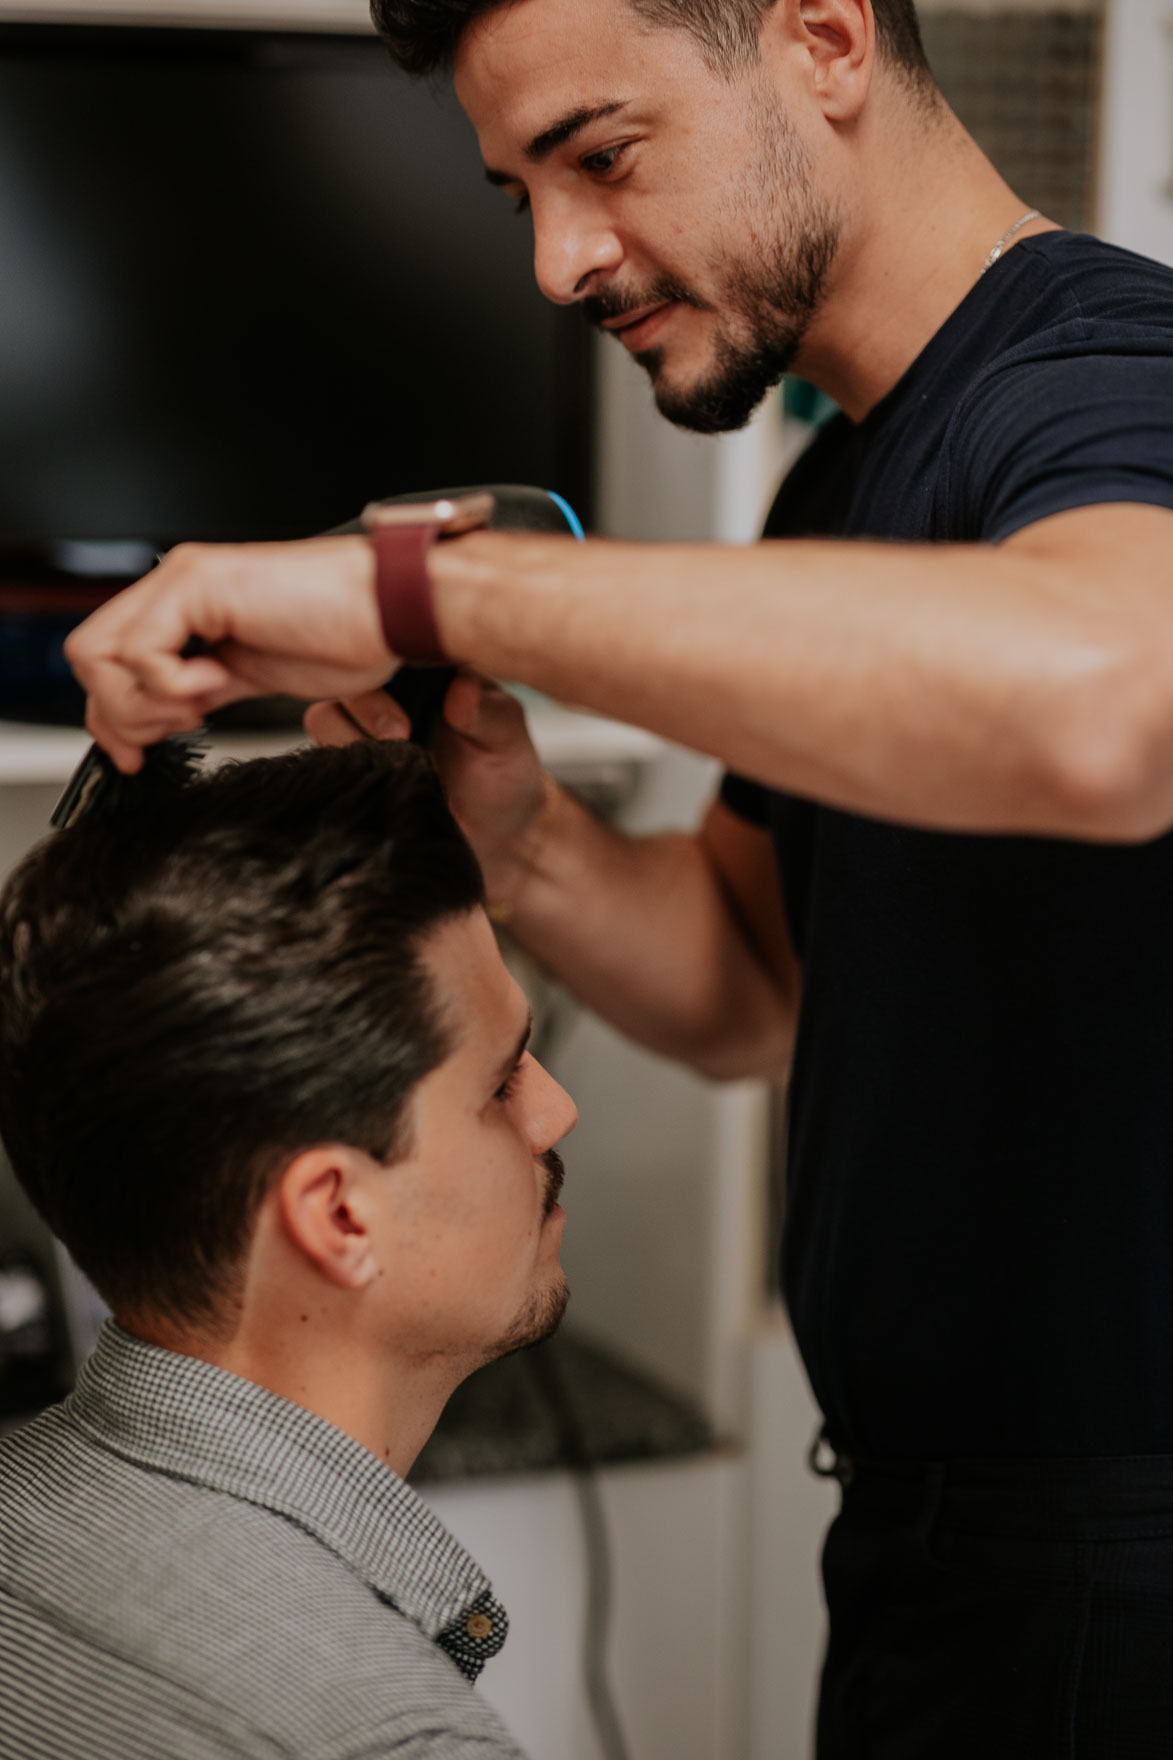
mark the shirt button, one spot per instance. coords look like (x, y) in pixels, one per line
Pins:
(479, 1625)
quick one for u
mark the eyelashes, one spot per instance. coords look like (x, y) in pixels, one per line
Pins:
(604, 160)
(507, 1088)
(599, 164)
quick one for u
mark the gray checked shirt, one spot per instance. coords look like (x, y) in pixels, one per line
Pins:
(193, 1568)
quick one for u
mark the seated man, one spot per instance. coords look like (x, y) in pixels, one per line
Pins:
(264, 1073)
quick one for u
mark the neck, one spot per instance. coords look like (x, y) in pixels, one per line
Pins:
(928, 209)
(389, 1405)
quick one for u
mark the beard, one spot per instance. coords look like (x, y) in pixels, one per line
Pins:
(543, 1313)
(541, 1317)
(766, 299)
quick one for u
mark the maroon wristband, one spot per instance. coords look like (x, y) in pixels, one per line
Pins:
(404, 591)
(401, 534)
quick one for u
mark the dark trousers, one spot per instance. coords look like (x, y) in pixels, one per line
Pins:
(1000, 1611)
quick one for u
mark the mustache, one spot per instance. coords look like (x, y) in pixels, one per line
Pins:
(555, 1175)
(615, 302)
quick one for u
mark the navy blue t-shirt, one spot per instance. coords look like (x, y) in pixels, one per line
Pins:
(978, 1256)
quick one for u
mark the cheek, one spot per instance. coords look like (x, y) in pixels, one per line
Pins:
(487, 1207)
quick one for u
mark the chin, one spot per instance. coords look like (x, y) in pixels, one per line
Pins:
(541, 1317)
(722, 395)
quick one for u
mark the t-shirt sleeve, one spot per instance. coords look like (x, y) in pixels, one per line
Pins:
(749, 800)
(1051, 435)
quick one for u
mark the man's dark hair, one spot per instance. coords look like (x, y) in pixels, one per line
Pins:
(422, 35)
(191, 994)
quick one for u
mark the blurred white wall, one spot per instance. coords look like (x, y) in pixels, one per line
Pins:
(1136, 134)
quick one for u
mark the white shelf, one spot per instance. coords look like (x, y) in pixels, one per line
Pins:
(46, 755)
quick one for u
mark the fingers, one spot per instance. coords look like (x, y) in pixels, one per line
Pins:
(492, 775)
(137, 694)
(462, 705)
(327, 724)
(474, 707)
(379, 715)
(136, 641)
(299, 618)
(483, 712)
(372, 715)
(171, 678)
(123, 717)
(128, 757)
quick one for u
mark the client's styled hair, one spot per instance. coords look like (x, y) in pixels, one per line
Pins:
(193, 992)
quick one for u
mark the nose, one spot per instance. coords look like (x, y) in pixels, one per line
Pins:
(573, 246)
(550, 1112)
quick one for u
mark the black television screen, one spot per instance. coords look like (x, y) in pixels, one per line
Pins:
(249, 281)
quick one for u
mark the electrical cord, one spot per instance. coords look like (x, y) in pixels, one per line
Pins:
(572, 1445)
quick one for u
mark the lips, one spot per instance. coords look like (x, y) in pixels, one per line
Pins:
(635, 330)
(626, 319)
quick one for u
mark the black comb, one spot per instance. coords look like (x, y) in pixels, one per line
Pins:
(99, 787)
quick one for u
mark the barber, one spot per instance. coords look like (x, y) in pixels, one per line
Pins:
(939, 872)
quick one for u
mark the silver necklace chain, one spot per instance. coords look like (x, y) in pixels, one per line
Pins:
(1031, 214)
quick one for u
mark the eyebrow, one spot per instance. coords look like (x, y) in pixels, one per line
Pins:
(557, 135)
(507, 1068)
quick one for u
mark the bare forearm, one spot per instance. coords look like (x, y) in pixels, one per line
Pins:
(1020, 688)
(955, 686)
(641, 931)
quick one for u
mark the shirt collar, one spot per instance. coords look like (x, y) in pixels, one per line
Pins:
(178, 1415)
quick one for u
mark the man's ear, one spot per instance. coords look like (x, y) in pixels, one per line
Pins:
(837, 39)
(326, 1202)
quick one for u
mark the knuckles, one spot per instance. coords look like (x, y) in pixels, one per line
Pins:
(184, 557)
